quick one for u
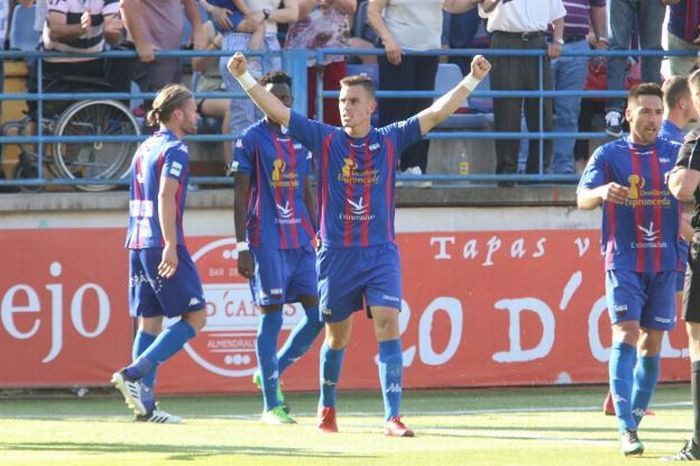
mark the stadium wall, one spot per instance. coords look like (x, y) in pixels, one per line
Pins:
(501, 287)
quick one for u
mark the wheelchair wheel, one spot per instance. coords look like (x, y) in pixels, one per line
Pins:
(98, 160)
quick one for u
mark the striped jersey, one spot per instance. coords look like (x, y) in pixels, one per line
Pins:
(642, 234)
(162, 155)
(355, 178)
(93, 40)
(277, 164)
(684, 20)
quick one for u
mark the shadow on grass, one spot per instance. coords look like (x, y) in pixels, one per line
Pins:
(175, 452)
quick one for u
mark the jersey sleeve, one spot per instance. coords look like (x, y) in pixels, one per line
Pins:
(689, 150)
(176, 163)
(310, 133)
(243, 155)
(110, 7)
(404, 133)
(594, 175)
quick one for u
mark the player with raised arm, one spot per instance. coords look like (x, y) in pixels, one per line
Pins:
(274, 217)
(358, 259)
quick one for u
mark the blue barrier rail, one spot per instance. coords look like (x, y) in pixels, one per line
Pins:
(294, 61)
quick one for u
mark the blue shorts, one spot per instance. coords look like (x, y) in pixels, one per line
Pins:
(347, 275)
(649, 298)
(283, 275)
(151, 295)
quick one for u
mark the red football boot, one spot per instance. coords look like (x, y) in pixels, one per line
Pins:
(395, 428)
(326, 421)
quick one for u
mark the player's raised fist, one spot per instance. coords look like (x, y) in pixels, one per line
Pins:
(480, 67)
(237, 64)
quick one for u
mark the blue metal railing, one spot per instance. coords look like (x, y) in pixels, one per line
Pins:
(295, 62)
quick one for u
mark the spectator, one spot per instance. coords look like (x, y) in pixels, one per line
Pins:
(272, 13)
(462, 31)
(210, 81)
(40, 13)
(649, 18)
(569, 73)
(323, 24)
(151, 26)
(409, 26)
(70, 27)
(239, 19)
(521, 25)
(684, 34)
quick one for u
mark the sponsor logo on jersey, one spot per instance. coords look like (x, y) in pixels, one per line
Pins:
(176, 169)
(359, 211)
(286, 215)
(650, 238)
(638, 196)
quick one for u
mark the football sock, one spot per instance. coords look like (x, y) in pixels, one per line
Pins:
(646, 373)
(266, 347)
(390, 376)
(142, 341)
(621, 369)
(695, 389)
(331, 362)
(300, 339)
(169, 342)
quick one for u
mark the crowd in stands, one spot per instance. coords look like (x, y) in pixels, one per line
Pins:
(398, 26)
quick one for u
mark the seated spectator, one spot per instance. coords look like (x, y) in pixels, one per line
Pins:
(684, 34)
(324, 24)
(70, 27)
(271, 13)
(239, 20)
(210, 81)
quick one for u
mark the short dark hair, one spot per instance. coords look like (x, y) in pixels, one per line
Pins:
(359, 80)
(675, 88)
(644, 89)
(169, 98)
(276, 77)
(694, 80)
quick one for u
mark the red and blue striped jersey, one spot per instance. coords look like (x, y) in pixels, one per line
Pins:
(355, 178)
(162, 155)
(277, 165)
(642, 234)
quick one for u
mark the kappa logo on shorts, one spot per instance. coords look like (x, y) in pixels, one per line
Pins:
(620, 309)
(662, 320)
(194, 301)
(276, 292)
(393, 299)
(326, 312)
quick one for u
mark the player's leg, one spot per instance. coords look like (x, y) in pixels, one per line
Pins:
(624, 295)
(658, 316)
(304, 285)
(149, 329)
(330, 365)
(181, 295)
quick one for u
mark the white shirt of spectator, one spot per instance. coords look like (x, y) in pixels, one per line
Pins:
(42, 9)
(90, 42)
(523, 15)
(415, 24)
(4, 12)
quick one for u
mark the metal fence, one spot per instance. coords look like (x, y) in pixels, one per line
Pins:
(295, 63)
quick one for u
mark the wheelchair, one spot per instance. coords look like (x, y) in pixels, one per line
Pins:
(77, 160)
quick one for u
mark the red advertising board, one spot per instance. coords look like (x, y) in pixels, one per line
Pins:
(479, 308)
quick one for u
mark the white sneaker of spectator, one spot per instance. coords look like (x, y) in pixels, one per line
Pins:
(415, 171)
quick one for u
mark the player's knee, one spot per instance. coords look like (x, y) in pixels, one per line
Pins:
(196, 319)
(650, 342)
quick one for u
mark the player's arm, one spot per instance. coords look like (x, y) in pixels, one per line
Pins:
(310, 201)
(240, 213)
(450, 101)
(687, 231)
(166, 216)
(683, 182)
(590, 198)
(268, 103)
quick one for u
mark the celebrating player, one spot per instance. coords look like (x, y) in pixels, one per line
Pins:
(640, 241)
(274, 216)
(359, 259)
(163, 280)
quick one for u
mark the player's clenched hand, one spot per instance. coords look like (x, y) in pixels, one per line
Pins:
(168, 262)
(237, 64)
(245, 264)
(615, 193)
(480, 67)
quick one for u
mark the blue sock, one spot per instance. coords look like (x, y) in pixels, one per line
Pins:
(390, 376)
(331, 362)
(300, 340)
(646, 373)
(621, 367)
(169, 342)
(142, 341)
(266, 349)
